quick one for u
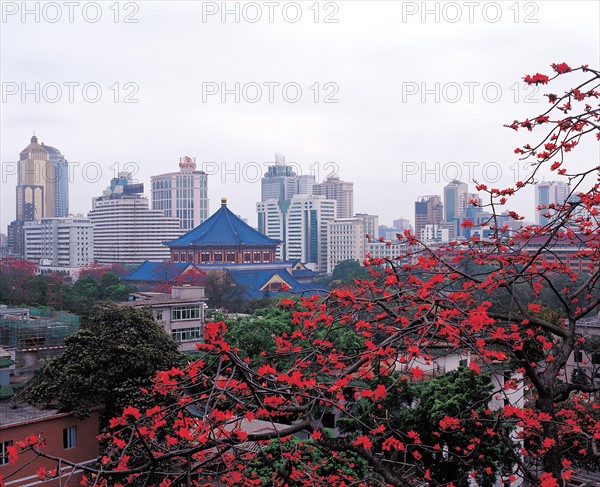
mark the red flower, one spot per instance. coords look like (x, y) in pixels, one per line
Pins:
(561, 68)
(536, 79)
(449, 423)
(364, 442)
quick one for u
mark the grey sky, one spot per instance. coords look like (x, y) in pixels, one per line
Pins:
(373, 58)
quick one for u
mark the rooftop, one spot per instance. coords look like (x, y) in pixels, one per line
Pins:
(223, 229)
(12, 413)
(178, 295)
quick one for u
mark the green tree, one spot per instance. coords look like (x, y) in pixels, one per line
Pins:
(345, 273)
(106, 364)
(461, 395)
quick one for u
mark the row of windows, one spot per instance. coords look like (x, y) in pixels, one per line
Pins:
(179, 313)
(183, 334)
(218, 257)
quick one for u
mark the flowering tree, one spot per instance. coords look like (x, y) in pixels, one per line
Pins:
(505, 307)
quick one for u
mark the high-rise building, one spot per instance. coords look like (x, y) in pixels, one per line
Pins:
(280, 182)
(370, 223)
(272, 222)
(126, 230)
(59, 173)
(63, 242)
(42, 189)
(455, 200)
(549, 193)
(183, 194)
(305, 184)
(341, 191)
(429, 210)
(306, 232)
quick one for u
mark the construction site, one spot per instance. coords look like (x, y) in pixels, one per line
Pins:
(31, 335)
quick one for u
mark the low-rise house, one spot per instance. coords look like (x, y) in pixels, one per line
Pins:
(180, 313)
(66, 437)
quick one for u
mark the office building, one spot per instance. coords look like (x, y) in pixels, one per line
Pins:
(345, 241)
(62, 242)
(547, 194)
(306, 231)
(126, 230)
(183, 194)
(42, 189)
(429, 210)
(340, 191)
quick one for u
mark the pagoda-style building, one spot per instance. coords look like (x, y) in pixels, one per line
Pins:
(223, 239)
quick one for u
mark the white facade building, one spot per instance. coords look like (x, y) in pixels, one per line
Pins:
(62, 242)
(182, 194)
(180, 313)
(306, 231)
(345, 241)
(272, 219)
(126, 231)
(431, 233)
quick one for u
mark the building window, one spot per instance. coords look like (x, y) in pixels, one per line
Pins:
(69, 437)
(246, 256)
(184, 334)
(230, 256)
(180, 313)
(256, 256)
(578, 356)
(3, 451)
(218, 257)
(159, 316)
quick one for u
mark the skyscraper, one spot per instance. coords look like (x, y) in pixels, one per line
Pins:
(341, 191)
(549, 193)
(272, 222)
(42, 189)
(429, 210)
(182, 194)
(60, 173)
(281, 182)
(43, 183)
(306, 232)
(455, 200)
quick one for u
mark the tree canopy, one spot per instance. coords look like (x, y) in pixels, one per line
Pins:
(108, 363)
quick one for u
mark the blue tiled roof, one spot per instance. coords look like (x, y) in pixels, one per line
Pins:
(248, 276)
(304, 273)
(223, 228)
(253, 280)
(157, 271)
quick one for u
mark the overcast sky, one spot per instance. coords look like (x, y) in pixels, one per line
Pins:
(385, 134)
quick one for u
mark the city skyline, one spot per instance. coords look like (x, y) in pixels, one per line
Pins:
(376, 77)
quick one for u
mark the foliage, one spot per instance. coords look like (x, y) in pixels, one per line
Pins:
(308, 461)
(345, 273)
(106, 364)
(222, 291)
